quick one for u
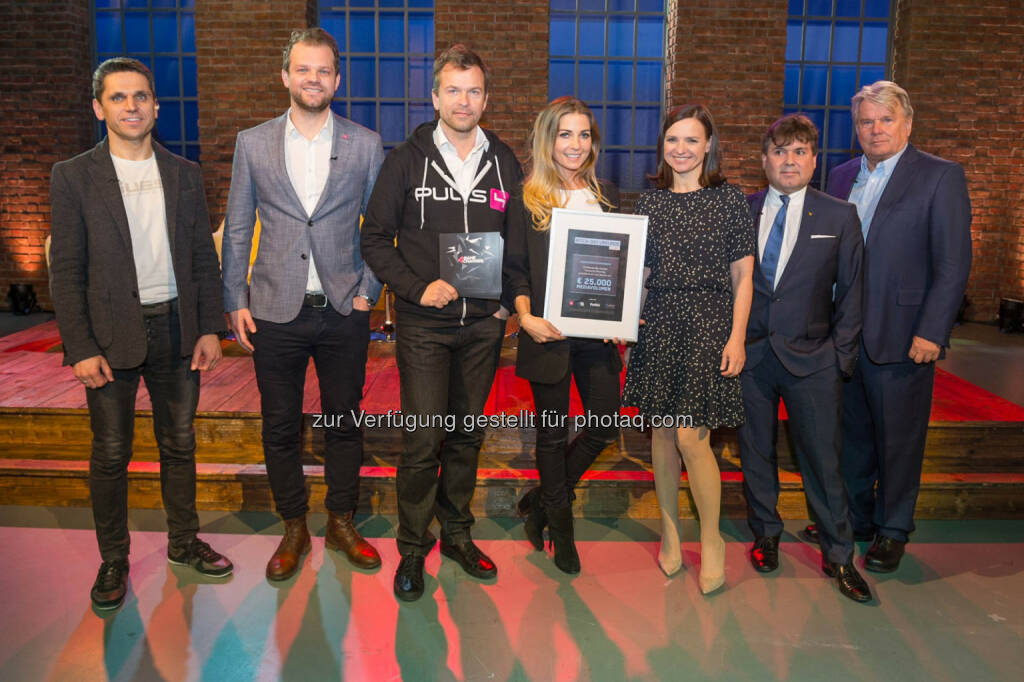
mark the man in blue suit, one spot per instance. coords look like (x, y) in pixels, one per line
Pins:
(916, 220)
(309, 173)
(802, 336)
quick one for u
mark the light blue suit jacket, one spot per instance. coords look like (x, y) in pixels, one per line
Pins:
(259, 181)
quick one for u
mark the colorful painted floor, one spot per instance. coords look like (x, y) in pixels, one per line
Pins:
(955, 610)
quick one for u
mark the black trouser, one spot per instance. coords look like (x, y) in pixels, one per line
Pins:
(886, 409)
(445, 373)
(337, 343)
(174, 393)
(813, 407)
(593, 365)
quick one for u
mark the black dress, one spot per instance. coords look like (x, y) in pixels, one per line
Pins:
(692, 239)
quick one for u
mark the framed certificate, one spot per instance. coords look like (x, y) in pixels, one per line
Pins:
(595, 273)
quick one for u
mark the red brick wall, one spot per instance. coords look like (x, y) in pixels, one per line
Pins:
(45, 117)
(512, 39)
(961, 62)
(729, 56)
(238, 62)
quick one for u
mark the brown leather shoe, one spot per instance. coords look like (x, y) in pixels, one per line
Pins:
(294, 545)
(342, 536)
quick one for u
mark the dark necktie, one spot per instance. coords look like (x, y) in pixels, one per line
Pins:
(772, 247)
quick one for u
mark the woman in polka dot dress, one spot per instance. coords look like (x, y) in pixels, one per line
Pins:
(683, 374)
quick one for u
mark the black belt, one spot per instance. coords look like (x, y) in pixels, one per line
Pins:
(158, 309)
(315, 300)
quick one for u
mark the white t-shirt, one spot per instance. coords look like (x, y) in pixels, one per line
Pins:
(143, 195)
(581, 200)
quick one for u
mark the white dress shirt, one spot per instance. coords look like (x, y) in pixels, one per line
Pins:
(309, 164)
(772, 204)
(463, 170)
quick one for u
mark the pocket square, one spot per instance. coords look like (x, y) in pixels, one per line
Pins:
(823, 236)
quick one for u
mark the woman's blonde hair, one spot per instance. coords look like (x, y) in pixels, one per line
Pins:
(542, 189)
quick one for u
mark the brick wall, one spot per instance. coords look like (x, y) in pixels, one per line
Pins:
(238, 62)
(45, 117)
(961, 63)
(729, 56)
(512, 39)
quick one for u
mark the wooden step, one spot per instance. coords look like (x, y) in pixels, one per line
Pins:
(602, 494)
(234, 438)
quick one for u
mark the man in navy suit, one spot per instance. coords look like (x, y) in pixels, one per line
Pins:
(802, 336)
(916, 220)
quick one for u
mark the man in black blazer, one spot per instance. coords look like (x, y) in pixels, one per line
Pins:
(804, 327)
(136, 287)
(916, 220)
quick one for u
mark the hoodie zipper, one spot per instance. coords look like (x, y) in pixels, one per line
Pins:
(465, 205)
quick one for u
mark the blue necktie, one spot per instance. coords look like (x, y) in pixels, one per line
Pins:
(772, 247)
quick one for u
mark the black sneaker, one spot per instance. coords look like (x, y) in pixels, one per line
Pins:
(408, 584)
(202, 558)
(110, 587)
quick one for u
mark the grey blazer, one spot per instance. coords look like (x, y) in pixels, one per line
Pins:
(93, 281)
(259, 181)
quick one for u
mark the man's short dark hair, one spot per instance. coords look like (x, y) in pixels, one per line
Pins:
(461, 57)
(789, 128)
(118, 65)
(311, 36)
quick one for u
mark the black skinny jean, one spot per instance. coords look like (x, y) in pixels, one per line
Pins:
(174, 392)
(337, 343)
(593, 364)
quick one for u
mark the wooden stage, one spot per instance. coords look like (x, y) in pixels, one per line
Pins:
(974, 466)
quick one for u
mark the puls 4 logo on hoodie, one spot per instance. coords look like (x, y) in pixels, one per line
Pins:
(497, 198)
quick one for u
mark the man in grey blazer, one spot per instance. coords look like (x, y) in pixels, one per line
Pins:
(309, 173)
(135, 285)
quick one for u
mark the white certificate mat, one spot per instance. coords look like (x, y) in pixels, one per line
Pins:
(595, 273)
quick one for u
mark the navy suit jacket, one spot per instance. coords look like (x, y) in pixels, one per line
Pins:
(918, 253)
(799, 319)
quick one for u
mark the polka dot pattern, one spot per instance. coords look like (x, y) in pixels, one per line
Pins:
(692, 238)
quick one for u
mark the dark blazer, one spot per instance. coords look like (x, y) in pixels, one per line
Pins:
(799, 319)
(93, 281)
(525, 274)
(918, 253)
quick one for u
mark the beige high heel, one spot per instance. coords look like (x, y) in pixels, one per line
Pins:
(671, 561)
(669, 566)
(710, 581)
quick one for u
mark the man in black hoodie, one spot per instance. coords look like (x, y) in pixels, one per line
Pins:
(450, 176)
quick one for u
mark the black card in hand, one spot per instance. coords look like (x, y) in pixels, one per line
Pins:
(471, 262)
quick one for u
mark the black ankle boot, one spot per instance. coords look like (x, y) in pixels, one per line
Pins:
(561, 531)
(534, 517)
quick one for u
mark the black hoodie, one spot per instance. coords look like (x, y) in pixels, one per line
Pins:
(414, 200)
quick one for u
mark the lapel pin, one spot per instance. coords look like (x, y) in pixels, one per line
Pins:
(344, 136)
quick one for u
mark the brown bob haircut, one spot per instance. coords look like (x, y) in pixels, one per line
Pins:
(711, 170)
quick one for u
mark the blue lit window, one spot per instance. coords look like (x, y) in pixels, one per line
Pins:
(610, 54)
(833, 47)
(162, 35)
(387, 61)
